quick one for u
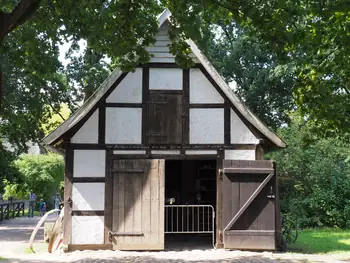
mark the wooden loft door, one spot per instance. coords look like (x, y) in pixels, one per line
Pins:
(249, 213)
(164, 118)
(138, 205)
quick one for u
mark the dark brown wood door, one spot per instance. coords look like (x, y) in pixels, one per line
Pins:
(249, 189)
(164, 118)
(138, 205)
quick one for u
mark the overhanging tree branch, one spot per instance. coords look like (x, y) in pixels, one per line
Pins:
(21, 13)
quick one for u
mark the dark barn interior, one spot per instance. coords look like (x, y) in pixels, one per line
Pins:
(190, 190)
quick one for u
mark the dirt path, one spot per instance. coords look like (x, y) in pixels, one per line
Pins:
(15, 234)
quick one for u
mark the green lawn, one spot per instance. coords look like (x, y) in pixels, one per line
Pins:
(322, 241)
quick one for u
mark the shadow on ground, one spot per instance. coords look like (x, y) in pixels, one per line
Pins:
(245, 259)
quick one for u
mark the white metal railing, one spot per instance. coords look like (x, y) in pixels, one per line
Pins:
(190, 219)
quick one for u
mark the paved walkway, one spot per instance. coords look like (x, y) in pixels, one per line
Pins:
(15, 234)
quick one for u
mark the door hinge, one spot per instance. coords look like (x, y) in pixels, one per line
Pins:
(221, 174)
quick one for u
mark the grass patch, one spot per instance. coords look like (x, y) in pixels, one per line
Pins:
(322, 241)
(2, 258)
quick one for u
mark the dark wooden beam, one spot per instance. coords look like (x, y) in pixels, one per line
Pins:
(145, 93)
(207, 105)
(88, 179)
(185, 107)
(102, 124)
(165, 92)
(88, 213)
(227, 122)
(124, 105)
(86, 146)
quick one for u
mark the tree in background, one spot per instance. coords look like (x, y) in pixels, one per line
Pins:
(264, 84)
(314, 176)
(41, 174)
(310, 35)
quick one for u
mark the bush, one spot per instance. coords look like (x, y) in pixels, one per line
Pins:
(314, 178)
(41, 174)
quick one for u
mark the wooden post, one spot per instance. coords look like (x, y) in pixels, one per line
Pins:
(68, 188)
(219, 198)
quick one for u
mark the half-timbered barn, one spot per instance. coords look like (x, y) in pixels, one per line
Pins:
(167, 151)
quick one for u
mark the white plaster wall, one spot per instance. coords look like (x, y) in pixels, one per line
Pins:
(88, 196)
(129, 89)
(240, 154)
(88, 133)
(165, 79)
(200, 152)
(206, 126)
(123, 125)
(165, 152)
(201, 90)
(89, 163)
(129, 152)
(87, 229)
(239, 132)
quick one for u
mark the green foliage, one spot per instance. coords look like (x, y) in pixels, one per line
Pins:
(41, 174)
(264, 84)
(314, 177)
(308, 39)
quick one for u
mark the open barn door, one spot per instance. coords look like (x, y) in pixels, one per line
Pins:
(138, 205)
(249, 189)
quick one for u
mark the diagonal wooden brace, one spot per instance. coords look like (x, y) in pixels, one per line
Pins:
(249, 201)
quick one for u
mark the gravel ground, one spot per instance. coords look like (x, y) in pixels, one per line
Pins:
(14, 236)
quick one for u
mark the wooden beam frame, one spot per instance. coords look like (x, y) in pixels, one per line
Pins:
(88, 179)
(88, 213)
(185, 107)
(145, 99)
(87, 146)
(108, 213)
(219, 199)
(68, 189)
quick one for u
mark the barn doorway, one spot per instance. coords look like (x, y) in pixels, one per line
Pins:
(190, 203)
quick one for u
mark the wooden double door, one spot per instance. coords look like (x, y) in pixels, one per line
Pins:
(248, 205)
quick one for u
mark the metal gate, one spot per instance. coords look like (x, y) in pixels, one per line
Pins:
(190, 219)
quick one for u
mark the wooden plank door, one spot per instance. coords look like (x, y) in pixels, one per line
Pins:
(138, 205)
(164, 118)
(249, 189)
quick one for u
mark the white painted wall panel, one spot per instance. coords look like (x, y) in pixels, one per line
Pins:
(165, 79)
(201, 90)
(200, 152)
(129, 89)
(89, 163)
(88, 196)
(87, 229)
(88, 133)
(240, 154)
(123, 125)
(240, 132)
(206, 126)
(165, 152)
(128, 152)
